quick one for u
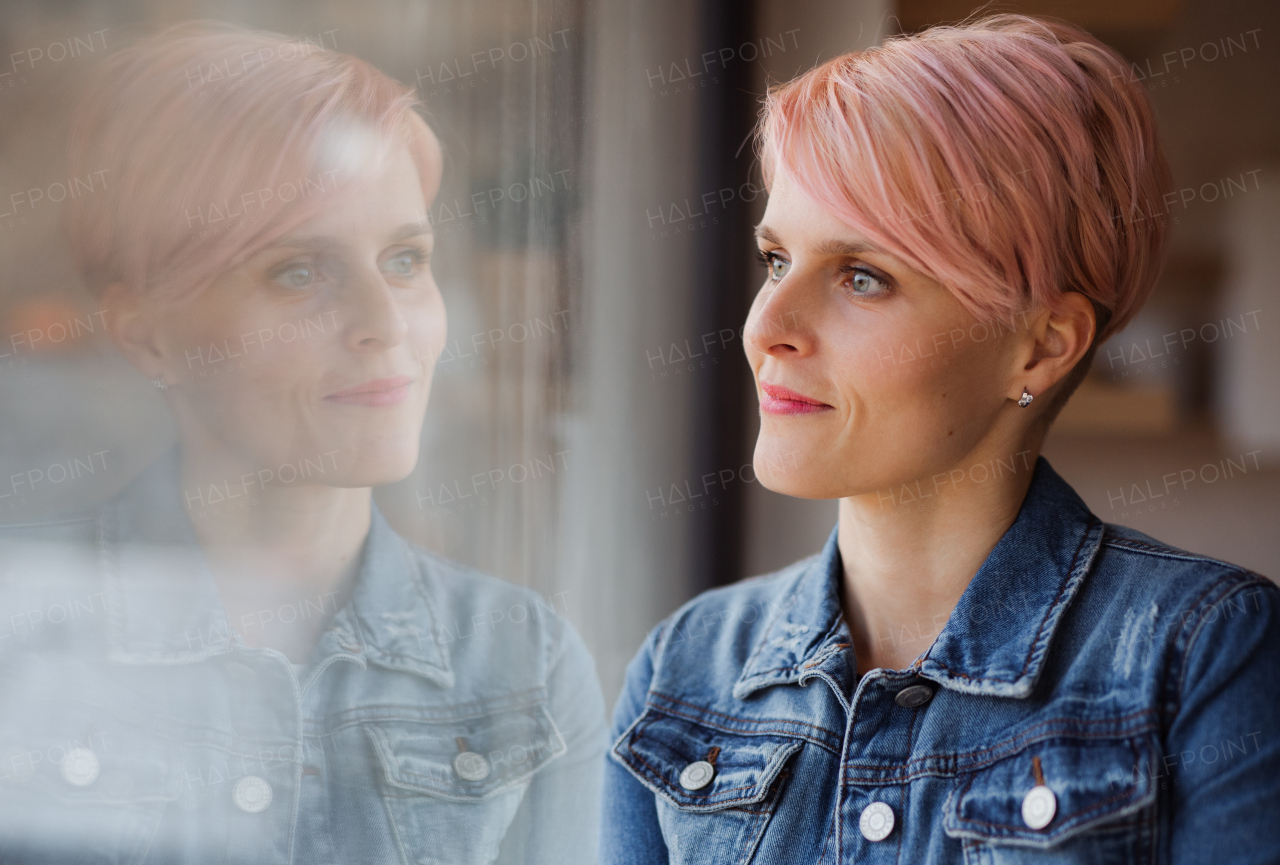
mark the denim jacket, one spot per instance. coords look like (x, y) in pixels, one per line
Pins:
(1095, 697)
(444, 717)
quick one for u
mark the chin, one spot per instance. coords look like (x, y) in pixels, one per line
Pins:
(376, 464)
(785, 468)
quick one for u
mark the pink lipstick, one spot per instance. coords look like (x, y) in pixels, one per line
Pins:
(375, 393)
(776, 399)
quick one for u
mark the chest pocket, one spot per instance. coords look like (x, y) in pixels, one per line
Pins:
(453, 787)
(95, 800)
(1100, 790)
(716, 790)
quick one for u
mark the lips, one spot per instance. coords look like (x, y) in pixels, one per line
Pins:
(375, 393)
(776, 399)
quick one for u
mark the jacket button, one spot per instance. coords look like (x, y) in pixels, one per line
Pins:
(471, 766)
(697, 775)
(80, 767)
(876, 821)
(251, 794)
(913, 695)
(1038, 807)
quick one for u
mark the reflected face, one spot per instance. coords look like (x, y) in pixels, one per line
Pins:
(320, 346)
(869, 374)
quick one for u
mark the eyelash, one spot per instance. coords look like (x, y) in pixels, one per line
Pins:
(767, 259)
(318, 267)
(417, 253)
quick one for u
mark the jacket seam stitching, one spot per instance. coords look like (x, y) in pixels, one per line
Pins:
(1072, 815)
(650, 703)
(999, 751)
(1039, 630)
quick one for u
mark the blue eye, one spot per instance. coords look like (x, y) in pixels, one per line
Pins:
(776, 265)
(405, 263)
(865, 284)
(402, 264)
(297, 276)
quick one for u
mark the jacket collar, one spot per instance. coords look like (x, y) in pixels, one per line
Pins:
(163, 606)
(997, 638)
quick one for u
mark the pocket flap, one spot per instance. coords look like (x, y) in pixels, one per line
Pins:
(1093, 781)
(659, 747)
(470, 758)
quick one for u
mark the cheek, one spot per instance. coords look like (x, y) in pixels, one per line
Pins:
(913, 384)
(428, 326)
(250, 355)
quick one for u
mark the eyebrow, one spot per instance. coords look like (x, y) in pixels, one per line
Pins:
(404, 232)
(827, 247)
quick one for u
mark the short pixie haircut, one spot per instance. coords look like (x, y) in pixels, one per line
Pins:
(217, 141)
(1009, 158)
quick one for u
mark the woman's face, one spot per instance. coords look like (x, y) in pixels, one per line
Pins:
(869, 374)
(318, 348)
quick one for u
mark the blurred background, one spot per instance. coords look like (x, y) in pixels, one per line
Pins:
(594, 249)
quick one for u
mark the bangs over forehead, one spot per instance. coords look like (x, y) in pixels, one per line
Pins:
(1010, 159)
(218, 140)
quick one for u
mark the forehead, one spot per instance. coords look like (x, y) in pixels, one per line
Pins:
(390, 196)
(792, 217)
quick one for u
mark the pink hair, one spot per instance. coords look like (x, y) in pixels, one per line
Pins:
(206, 120)
(1011, 159)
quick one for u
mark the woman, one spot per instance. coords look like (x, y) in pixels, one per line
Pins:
(264, 670)
(975, 668)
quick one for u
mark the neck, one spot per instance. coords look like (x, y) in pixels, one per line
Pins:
(276, 546)
(909, 553)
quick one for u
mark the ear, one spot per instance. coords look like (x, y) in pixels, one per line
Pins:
(1054, 343)
(132, 328)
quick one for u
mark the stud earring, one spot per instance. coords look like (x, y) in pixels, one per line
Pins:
(1025, 399)
(159, 382)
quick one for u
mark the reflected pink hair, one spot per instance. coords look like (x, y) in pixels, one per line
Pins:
(204, 120)
(1010, 158)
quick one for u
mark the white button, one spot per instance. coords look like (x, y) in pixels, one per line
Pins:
(1039, 806)
(80, 767)
(251, 794)
(471, 766)
(876, 821)
(697, 775)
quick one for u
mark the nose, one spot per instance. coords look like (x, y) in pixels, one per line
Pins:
(371, 313)
(776, 325)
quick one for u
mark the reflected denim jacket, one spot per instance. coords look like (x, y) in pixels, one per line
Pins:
(445, 716)
(1095, 697)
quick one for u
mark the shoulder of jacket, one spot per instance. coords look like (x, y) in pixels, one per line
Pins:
(1169, 576)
